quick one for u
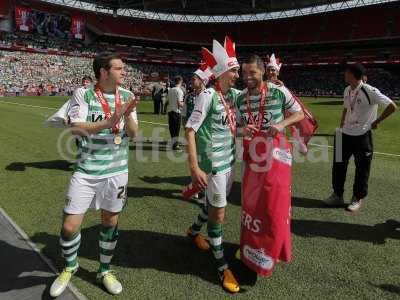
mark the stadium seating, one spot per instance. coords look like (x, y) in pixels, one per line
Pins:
(24, 73)
(371, 22)
(358, 24)
(329, 27)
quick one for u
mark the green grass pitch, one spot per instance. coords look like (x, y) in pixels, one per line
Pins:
(337, 255)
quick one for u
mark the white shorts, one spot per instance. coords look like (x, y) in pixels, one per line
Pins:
(108, 193)
(218, 188)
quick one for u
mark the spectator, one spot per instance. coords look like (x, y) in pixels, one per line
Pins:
(175, 104)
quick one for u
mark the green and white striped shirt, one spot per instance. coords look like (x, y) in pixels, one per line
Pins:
(215, 142)
(99, 157)
(277, 101)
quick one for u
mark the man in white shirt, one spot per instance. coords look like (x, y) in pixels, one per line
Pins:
(175, 104)
(355, 137)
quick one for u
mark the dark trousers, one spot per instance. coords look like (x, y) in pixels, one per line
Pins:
(163, 107)
(361, 147)
(174, 122)
(157, 106)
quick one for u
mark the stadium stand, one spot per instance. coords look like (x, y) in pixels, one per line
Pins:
(47, 48)
(147, 55)
(23, 73)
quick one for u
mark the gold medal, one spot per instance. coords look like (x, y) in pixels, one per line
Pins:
(117, 140)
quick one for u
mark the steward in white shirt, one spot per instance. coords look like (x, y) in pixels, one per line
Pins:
(355, 137)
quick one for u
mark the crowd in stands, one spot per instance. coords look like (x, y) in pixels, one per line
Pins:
(330, 82)
(36, 41)
(23, 73)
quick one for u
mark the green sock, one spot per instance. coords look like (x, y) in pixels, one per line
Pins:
(107, 242)
(69, 248)
(215, 235)
(201, 219)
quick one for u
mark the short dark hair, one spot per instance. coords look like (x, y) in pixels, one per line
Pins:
(103, 61)
(178, 79)
(86, 78)
(255, 59)
(357, 70)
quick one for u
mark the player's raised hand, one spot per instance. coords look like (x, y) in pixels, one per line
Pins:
(131, 105)
(116, 116)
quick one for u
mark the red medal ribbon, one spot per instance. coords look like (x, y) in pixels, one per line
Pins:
(106, 107)
(263, 92)
(229, 110)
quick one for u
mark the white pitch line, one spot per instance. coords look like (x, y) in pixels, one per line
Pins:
(162, 124)
(27, 105)
(55, 108)
(148, 122)
(379, 153)
(319, 145)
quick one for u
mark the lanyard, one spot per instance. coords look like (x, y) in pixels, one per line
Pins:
(106, 107)
(263, 93)
(230, 111)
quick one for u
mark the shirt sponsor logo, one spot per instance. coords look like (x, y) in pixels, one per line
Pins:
(282, 155)
(266, 118)
(258, 257)
(97, 117)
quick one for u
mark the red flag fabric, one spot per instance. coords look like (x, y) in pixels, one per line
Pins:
(266, 192)
(304, 130)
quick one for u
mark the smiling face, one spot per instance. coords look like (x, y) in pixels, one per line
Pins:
(252, 75)
(228, 78)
